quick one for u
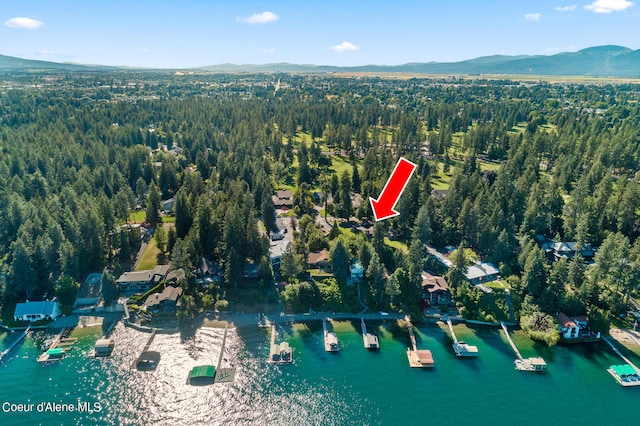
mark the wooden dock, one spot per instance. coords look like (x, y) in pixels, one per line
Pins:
(418, 358)
(59, 346)
(15, 342)
(461, 348)
(529, 364)
(147, 360)
(370, 340)
(224, 375)
(612, 371)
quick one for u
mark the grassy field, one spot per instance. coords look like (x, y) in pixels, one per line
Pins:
(396, 245)
(137, 216)
(149, 257)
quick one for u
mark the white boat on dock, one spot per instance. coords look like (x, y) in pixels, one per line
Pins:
(330, 339)
(461, 349)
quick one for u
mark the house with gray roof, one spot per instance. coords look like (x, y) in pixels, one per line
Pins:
(35, 311)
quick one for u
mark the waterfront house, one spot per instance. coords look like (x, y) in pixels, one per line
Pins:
(141, 281)
(35, 311)
(435, 289)
(575, 327)
(166, 302)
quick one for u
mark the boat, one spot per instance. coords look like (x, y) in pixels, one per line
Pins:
(463, 349)
(536, 364)
(330, 339)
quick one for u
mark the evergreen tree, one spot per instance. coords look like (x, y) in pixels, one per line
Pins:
(153, 205)
(108, 287)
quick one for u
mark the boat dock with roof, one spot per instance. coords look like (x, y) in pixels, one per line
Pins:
(461, 348)
(529, 364)
(418, 358)
(330, 338)
(370, 340)
(626, 374)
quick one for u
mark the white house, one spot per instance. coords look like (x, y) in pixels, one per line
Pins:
(35, 311)
(574, 327)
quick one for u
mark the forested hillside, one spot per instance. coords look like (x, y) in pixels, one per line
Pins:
(79, 152)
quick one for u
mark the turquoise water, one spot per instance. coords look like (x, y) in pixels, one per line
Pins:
(354, 386)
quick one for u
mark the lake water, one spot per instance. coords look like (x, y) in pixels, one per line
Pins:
(351, 387)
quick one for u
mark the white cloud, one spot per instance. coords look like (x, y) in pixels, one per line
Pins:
(608, 6)
(532, 16)
(345, 46)
(145, 50)
(24, 23)
(261, 18)
(270, 50)
(566, 8)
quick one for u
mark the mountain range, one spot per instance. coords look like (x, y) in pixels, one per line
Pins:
(605, 61)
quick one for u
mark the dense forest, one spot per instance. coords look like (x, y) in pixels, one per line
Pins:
(81, 152)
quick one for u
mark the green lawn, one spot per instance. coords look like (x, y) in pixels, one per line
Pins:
(396, 245)
(137, 216)
(149, 257)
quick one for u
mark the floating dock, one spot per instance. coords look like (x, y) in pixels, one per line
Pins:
(461, 348)
(418, 358)
(15, 343)
(330, 338)
(279, 353)
(370, 340)
(148, 360)
(535, 364)
(58, 347)
(626, 375)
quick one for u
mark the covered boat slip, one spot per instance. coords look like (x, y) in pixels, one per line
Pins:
(202, 375)
(625, 374)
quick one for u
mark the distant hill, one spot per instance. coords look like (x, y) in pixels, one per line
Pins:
(605, 61)
(12, 63)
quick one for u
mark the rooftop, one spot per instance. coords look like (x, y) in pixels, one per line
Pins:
(142, 276)
(169, 293)
(33, 308)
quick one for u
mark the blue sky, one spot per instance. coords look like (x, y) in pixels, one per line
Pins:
(188, 33)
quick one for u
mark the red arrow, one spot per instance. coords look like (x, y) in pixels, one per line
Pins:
(393, 189)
